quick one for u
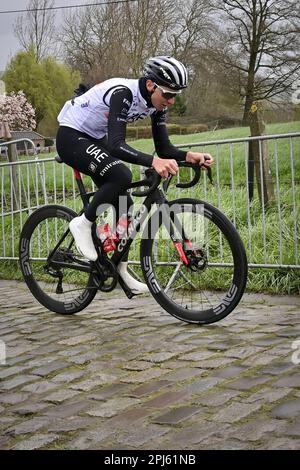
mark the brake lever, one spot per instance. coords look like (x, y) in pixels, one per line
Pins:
(167, 182)
(209, 170)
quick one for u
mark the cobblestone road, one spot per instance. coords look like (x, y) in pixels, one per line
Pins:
(125, 375)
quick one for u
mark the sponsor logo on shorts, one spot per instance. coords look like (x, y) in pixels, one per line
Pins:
(93, 167)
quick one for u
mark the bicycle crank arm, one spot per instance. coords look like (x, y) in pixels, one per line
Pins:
(126, 289)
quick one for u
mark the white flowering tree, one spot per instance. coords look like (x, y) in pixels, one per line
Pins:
(19, 115)
(17, 112)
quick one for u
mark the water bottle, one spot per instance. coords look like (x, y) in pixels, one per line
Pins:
(107, 238)
(122, 227)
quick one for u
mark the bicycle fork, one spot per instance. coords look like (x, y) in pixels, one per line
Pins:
(173, 221)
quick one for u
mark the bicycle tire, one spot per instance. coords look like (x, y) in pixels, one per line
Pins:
(220, 224)
(66, 307)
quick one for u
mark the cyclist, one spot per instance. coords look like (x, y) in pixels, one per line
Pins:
(92, 133)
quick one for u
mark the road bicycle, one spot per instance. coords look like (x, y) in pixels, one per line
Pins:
(191, 256)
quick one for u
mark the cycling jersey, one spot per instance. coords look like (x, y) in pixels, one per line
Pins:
(89, 112)
(107, 108)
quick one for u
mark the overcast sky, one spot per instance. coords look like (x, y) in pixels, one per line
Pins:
(8, 43)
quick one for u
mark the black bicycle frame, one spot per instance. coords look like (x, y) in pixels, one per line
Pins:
(153, 196)
(123, 247)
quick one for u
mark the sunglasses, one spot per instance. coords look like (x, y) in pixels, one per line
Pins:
(166, 93)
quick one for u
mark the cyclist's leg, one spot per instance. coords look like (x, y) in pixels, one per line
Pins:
(123, 205)
(124, 208)
(111, 176)
(92, 158)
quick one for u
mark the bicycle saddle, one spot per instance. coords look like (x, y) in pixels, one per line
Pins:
(58, 159)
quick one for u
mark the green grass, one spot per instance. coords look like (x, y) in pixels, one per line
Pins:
(229, 172)
(233, 133)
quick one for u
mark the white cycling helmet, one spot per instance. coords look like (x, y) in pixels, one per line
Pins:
(166, 71)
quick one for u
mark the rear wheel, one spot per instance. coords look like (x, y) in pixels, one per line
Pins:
(60, 289)
(207, 281)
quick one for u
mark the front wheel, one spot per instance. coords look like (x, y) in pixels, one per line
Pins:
(62, 282)
(194, 261)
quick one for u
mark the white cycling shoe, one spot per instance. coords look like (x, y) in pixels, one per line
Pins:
(135, 286)
(81, 229)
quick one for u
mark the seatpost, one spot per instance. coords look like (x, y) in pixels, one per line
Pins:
(81, 187)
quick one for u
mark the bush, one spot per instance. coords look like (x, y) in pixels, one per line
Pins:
(194, 129)
(49, 142)
(145, 132)
(174, 129)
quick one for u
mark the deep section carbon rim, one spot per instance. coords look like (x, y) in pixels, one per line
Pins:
(212, 286)
(61, 289)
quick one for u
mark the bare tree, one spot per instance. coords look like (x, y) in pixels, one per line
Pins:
(191, 37)
(89, 41)
(262, 45)
(143, 27)
(190, 30)
(115, 39)
(36, 30)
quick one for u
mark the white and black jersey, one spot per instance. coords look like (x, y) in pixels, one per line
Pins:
(107, 108)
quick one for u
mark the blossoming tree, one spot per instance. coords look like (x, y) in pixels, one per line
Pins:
(17, 112)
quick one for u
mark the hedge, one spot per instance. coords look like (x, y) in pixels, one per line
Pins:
(145, 132)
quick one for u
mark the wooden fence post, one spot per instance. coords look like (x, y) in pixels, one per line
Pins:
(260, 155)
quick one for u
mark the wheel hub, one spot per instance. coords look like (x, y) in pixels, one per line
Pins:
(197, 259)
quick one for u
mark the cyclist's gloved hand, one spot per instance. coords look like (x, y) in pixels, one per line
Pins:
(205, 160)
(165, 166)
